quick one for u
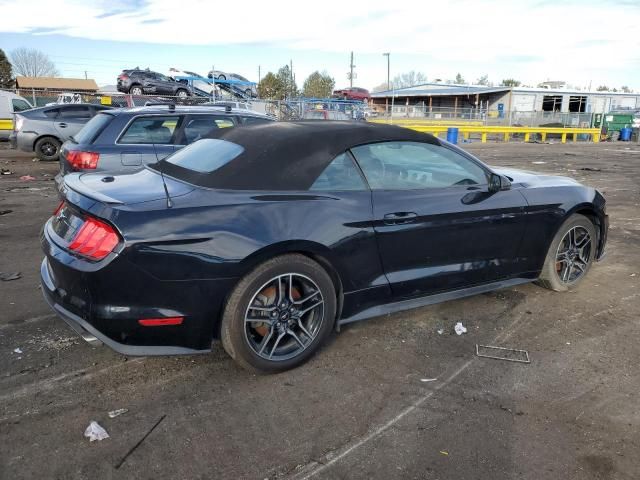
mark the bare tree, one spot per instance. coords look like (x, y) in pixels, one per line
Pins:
(30, 62)
(408, 79)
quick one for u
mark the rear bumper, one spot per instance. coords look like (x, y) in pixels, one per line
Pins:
(24, 141)
(95, 337)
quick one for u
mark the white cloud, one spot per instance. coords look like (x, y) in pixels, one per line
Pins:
(572, 40)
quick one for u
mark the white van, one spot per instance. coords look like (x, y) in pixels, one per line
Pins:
(10, 103)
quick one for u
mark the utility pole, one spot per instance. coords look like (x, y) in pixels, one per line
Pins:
(291, 72)
(259, 76)
(85, 74)
(351, 67)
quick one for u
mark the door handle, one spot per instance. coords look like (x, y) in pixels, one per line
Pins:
(399, 218)
(62, 125)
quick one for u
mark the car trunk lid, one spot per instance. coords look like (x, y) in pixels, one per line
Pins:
(127, 189)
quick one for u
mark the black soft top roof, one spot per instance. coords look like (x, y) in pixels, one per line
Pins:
(289, 155)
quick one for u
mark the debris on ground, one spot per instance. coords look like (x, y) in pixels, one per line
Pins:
(95, 432)
(539, 162)
(7, 277)
(444, 452)
(591, 169)
(118, 412)
(17, 350)
(5, 171)
(573, 154)
(27, 178)
(460, 328)
(440, 331)
(4, 212)
(428, 379)
(502, 353)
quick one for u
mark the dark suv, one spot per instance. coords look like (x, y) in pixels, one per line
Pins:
(140, 82)
(126, 139)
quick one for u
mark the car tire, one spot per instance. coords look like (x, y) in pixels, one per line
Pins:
(570, 255)
(221, 77)
(268, 348)
(47, 149)
(182, 93)
(136, 90)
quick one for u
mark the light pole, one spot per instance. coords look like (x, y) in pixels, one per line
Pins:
(388, 55)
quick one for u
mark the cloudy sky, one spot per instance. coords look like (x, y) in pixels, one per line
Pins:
(581, 41)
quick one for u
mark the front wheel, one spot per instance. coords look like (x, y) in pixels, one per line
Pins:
(571, 254)
(182, 93)
(279, 314)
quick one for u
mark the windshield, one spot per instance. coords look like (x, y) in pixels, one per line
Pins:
(93, 128)
(205, 156)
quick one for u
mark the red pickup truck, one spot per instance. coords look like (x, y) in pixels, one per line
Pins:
(354, 93)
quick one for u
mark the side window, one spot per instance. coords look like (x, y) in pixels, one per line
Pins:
(20, 105)
(52, 112)
(340, 174)
(75, 112)
(254, 120)
(415, 165)
(147, 130)
(200, 126)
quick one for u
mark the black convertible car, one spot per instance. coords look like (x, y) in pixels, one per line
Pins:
(269, 237)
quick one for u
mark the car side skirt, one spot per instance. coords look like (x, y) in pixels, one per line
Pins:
(412, 303)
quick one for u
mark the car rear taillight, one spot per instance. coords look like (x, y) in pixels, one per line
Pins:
(123, 77)
(83, 160)
(19, 123)
(95, 239)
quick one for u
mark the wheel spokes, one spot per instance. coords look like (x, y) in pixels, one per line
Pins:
(284, 317)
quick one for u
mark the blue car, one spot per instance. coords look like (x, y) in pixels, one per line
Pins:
(125, 140)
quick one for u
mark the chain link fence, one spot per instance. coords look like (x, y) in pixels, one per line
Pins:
(482, 116)
(295, 109)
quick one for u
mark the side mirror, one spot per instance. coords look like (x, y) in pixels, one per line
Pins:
(498, 183)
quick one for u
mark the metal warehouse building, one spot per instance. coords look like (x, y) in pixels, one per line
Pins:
(437, 97)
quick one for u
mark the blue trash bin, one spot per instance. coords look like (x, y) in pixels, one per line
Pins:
(625, 134)
(452, 135)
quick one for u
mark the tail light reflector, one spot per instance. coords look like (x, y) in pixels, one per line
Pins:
(83, 160)
(19, 123)
(95, 239)
(158, 322)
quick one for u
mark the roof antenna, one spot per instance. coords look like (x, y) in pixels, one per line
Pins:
(164, 184)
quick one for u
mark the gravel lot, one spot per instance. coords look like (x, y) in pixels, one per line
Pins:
(359, 409)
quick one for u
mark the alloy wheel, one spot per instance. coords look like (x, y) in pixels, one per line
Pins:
(284, 317)
(48, 149)
(573, 255)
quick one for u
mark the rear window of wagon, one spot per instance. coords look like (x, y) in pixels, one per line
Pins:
(93, 128)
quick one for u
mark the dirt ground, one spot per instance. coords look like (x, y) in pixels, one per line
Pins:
(360, 408)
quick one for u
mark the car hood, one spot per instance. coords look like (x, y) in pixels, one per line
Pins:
(533, 179)
(142, 186)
